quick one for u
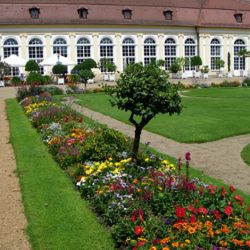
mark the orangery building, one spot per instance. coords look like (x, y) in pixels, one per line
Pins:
(127, 31)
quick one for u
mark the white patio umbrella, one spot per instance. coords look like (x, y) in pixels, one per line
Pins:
(54, 59)
(15, 61)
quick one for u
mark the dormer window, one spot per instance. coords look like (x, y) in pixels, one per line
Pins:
(238, 17)
(168, 14)
(34, 12)
(127, 13)
(83, 13)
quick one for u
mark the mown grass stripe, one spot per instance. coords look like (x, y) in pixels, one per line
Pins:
(57, 216)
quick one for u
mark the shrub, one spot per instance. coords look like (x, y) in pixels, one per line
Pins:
(22, 92)
(35, 78)
(15, 80)
(47, 79)
(246, 82)
(196, 61)
(175, 67)
(74, 78)
(59, 69)
(104, 143)
(31, 65)
(230, 84)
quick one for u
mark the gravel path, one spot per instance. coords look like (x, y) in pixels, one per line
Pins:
(219, 159)
(13, 221)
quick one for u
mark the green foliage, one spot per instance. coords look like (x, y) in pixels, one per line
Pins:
(59, 69)
(230, 84)
(107, 65)
(86, 74)
(4, 70)
(104, 143)
(47, 79)
(35, 78)
(205, 69)
(219, 63)
(196, 61)
(144, 91)
(15, 80)
(246, 82)
(175, 67)
(74, 78)
(31, 65)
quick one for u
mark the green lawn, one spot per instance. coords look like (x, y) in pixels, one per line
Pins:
(57, 216)
(202, 119)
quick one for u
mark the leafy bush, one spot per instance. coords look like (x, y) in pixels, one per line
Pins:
(15, 80)
(35, 78)
(74, 78)
(196, 61)
(246, 82)
(175, 67)
(60, 69)
(31, 65)
(47, 79)
(103, 144)
(230, 84)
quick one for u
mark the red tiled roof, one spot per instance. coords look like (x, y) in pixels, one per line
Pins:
(202, 13)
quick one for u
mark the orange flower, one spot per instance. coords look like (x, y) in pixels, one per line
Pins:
(217, 232)
(175, 244)
(225, 229)
(247, 243)
(191, 230)
(165, 248)
(183, 245)
(153, 248)
(223, 243)
(165, 240)
(208, 224)
(238, 242)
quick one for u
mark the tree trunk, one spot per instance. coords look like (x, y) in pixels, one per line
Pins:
(137, 141)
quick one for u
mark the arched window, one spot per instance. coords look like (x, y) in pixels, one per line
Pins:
(170, 52)
(128, 51)
(239, 61)
(215, 53)
(149, 51)
(190, 51)
(83, 49)
(36, 51)
(60, 47)
(106, 50)
(10, 47)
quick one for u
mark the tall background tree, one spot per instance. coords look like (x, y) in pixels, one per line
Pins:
(144, 91)
(31, 66)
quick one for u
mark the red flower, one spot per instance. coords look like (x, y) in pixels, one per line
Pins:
(140, 213)
(188, 156)
(140, 243)
(217, 214)
(239, 199)
(228, 210)
(133, 218)
(202, 210)
(192, 218)
(223, 192)
(138, 230)
(232, 189)
(180, 212)
(191, 209)
(248, 209)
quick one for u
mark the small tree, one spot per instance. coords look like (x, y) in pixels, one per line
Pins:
(197, 62)
(107, 65)
(219, 63)
(4, 70)
(59, 69)
(31, 65)
(175, 67)
(84, 70)
(144, 91)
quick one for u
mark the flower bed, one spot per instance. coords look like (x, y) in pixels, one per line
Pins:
(148, 204)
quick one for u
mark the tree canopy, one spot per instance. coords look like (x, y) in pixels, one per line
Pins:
(31, 65)
(144, 91)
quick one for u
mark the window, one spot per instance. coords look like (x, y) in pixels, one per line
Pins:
(170, 52)
(149, 51)
(10, 47)
(190, 51)
(215, 53)
(239, 61)
(238, 17)
(34, 12)
(83, 13)
(128, 51)
(60, 47)
(168, 14)
(36, 51)
(127, 13)
(83, 49)
(106, 50)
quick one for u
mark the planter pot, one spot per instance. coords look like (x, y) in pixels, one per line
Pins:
(60, 81)
(2, 84)
(196, 74)
(106, 77)
(175, 75)
(229, 75)
(205, 75)
(112, 78)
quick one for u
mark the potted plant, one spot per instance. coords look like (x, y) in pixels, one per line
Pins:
(229, 74)
(60, 70)
(220, 65)
(196, 62)
(204, 71)
(174, 69)
(109, 69)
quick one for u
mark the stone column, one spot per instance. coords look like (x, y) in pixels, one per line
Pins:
(23, 52)
(161, 50)
(140, 47)
(96, 47)
(72, 50)
(180, 45)
(48, 52)
(118, 52)
(1, 47)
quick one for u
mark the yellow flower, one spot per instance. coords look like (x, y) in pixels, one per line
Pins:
(146, 160)
(139, 190)
(187, 241)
